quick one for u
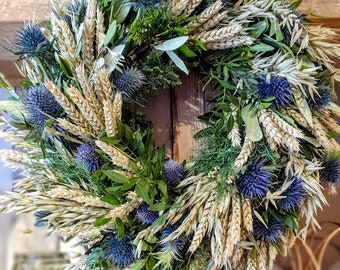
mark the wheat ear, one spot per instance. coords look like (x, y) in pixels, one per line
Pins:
(90, 115)
(232, 42)
(191, 7)
(74, 129)
(320, 134)
(68, 107)
(244, 154)
(89, 34)
(110, 119)
(176, 7)
(219, 35)
(204, 16)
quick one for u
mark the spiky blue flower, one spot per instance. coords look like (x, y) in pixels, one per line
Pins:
(41, 105)
(271, 232)
(331, 170)
(41, 215)
(129, 82)
(144, 4)
(293, 194)
(173, 171)
(86, 153)
(75, 10)
(31, 42)
(145, 215)
(255, 181)
(174, 246)
(119, 251)
(321, 99)
(277, 87)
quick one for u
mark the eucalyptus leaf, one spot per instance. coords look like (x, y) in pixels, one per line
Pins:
(251, 121)
(110, 33)
(172, 44)
(262, 48)
(178, 62)
(258, 29)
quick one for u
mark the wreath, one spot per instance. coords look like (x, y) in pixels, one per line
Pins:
(92, 171)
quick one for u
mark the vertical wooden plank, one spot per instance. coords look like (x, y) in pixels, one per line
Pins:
(188, 102)
(158, 109)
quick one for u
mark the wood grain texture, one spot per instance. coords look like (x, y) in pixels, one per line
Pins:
(158, 110)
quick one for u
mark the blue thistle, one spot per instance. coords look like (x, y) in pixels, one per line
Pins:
(41, 215)
(144, 4)
(175, 246)
(119, 251)
(173, 171)
(31, 42)
(86, 153)
(129, 82)
(293, 194)
(270, 233)
(41, 105)
(77, 10)
(278, 88)
(145, 215)
(331, 171)
(321, 99)
(255, 181)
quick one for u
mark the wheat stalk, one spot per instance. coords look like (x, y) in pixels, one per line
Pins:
(232, 42)
(90, 115)
(247, 215)
(89, 32)
(244, 154)
(320, 134)
(87, 89)
(68, 107)
(205, 15)
(118, 105)
(74, 129)
(191, 7)
(203, 225)
(100, 31)
(110, 119)
(219, 35)
(118, 157)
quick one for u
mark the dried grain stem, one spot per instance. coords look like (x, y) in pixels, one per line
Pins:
(89, 32)
(244, 154)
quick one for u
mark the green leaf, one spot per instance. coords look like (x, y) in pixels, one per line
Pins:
(138, 265)
(230, 123)
(225, 84)
(64, 65)
(121, 9)
(178, 61)
(251, 121)
(258, 29)
(4, 83)
(110, 140)
(163, 187)
(172, 44)
(101, 220)
(110, 33)
(142, 191)
(116, 177)
(110, 199)
(158, 207)
(262, 48)
(131, 183)
(187, 52)
(120, 228)
(279, 35)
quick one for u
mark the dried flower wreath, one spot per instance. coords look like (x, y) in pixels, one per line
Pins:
(91, 169)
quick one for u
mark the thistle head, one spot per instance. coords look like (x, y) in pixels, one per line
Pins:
(321, 99)
(277, 87)
(145, 215)
(86, 154)
(41, 220)
(129, 82)
(174, 246)
(119, 251)
(331, 170)
(76, 11)
(255, 181)
(173, 171)
(41, 105)
(293, 195)
(144, 4)
(269, 232)
(31, 42)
